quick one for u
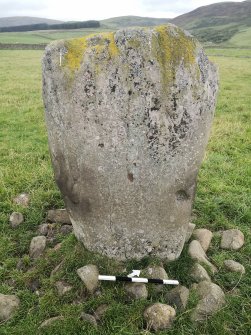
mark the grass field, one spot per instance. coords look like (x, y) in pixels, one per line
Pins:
(223, 201)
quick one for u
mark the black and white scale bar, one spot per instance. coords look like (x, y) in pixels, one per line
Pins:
(139, 280)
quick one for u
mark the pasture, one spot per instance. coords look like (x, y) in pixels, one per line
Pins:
(223, 201)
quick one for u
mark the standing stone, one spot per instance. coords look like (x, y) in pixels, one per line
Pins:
(190, 230)
(8, 305)
(128, 117)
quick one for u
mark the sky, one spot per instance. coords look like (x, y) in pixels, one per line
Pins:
(82, 10)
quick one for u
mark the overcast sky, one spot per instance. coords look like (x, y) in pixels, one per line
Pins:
(97, 9)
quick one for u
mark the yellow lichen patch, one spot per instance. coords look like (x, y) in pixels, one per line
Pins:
(170, 46)
(97, 43)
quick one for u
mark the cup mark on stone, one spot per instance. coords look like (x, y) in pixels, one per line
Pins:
(182, 195)
(101, 145)
(130, 176)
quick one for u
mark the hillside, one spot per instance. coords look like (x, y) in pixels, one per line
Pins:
(130, 21)
(24, 20)
(218, 22)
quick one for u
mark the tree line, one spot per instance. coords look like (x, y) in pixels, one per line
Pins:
(46, 26)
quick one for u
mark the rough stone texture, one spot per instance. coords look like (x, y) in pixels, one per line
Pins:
(8, 306)
(156, 272)
(204, 236)
(197, 253)
(89, 318)
(66, 229)
(16, 219)
(89, 275)
(212, 298)
(232, 239)
(43, 229)
(128, 117)
(100, 312)
(63, 287)
(59, 216)
(37, 246)
(136, 290)
(159, 316)
(178, 297)
(233, 266)
(198, 273)
(190, 230)
(50, 321)
(22, 199)
(58, 268)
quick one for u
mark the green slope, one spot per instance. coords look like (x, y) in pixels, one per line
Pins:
(24, 20)
(130, 21)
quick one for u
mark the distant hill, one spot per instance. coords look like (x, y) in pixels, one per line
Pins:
(14, 21)
(218, 22)
(131, 21)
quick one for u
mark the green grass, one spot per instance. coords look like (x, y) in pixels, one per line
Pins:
(242, 38)
(222, 201)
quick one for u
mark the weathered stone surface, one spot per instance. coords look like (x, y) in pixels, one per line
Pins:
(43, 229)
(128, 117)
(37, 246)
(8, 306)
(66, 229)
(198, 273)
(232, 239)
(204, 236)
(59, 216)
(178, 297)
(156, 272)
(63, 287)
(50, 321)
(136, 290)
(58, 268)
(197, 253)
(212, 298)
(89, 318)
(190, 229)
(22, 199)
(233, 266)
(89, 275)
(100, 312)
(159, 316)
(16, 219)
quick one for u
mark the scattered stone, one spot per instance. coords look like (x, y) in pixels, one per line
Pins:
(37, 246)
(233, 266)
(66, 229)
(8, 306)
(198, 273)
(190, 229)
(212, 298)
(43, 229)
(156, 272)
(48, 322)
(159, 316)
(34, 285)
(178, 297)
(63, 287)
(197, 253)
(89, 318)
(232, 239)
(89, 275)
(57, 246)
(168, 105)
(21, 265)
(204, 236)
(22, 199)
(57, 269)
(100, 312)
(16, 219)
(58, 216)
(136, 290)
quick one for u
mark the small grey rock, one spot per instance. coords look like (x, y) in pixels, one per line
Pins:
(197, 253)
(16, 219)
(22, 199)
(63, 287)
(159, 316)
(43, 229)
(100, 312)
(204, 236)
(8, 306)
(89, 275)
(48, 322)
(37, 246)
(190, 230)
(233, 266)
(59, 216)
(136, 290)
(66, 229)
(232, 239)
(156, 272)
(212, 298)
(89, 318)
(178, 297)
(198, 273)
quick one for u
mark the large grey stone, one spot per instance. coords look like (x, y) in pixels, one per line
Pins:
(59, 216)
(204, 236)
(197, 253)
(8, 306)
(128, 117)
(233, 266)
(178, 297)
(37, 246)
(159, 316)
(198, 273)
(89, 275)
(136, 291)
